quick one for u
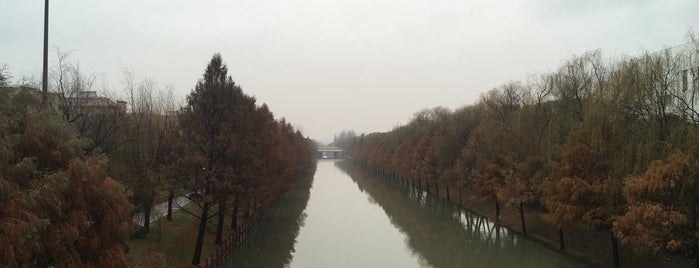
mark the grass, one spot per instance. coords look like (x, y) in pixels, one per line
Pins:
(171, 243)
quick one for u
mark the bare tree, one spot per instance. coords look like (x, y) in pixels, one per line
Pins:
(30, 81)
(145, 150)
(573, 85)
(69, 82)
(4, 76)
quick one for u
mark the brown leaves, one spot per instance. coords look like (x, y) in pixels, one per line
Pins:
(568, 199)
(581, 189)
(661, 179)
(488, 182)
(592, 125)
(519, 186)
(650, 227)
(231, 147)
(662, 203)
(56, 209)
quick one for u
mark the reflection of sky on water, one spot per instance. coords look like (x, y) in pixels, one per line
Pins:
(359, 220)
(344, 229)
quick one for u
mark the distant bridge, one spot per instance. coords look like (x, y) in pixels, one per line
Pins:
(330, 153)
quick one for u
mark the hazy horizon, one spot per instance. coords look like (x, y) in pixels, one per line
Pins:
(327, 66)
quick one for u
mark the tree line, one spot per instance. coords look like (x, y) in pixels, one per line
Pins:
(609, 145)
(73, 174)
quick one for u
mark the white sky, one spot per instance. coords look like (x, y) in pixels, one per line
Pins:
(329, 65)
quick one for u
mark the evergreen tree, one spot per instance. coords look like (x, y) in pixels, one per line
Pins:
(57, 206)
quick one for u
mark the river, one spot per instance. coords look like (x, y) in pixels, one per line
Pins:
(346, 217)
(160, 210)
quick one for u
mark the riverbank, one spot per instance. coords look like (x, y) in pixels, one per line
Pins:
(589, 246)
(171, 243)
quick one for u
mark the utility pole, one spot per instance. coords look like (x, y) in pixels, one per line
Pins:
(44, 76)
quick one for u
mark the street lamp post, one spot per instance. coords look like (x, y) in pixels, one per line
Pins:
(44, 75)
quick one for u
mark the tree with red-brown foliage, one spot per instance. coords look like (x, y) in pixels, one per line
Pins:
(231, 151)
(488, 181)
(583, 188)
(520, 187)
(663, 211)
(58, 207)
(564, 145)
(208, 142)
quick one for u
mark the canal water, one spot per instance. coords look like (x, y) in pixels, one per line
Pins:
(346, 217)
(160, 210)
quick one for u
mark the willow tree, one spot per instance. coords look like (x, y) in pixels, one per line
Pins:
(496, 140)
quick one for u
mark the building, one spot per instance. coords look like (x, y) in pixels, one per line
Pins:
(88, 100)
(675, 74)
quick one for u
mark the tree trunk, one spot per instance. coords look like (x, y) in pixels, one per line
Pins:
(695, 249)
(427, 186)
(497, 232)
(695, 241)
(436, 188)
(560, 239)
(146, 219)
(497, 211)
(615, 250)
(460, 203)
(219, 224)
(249, 210)
(447, 188)
(234, 216)
(170, 199)
(200, 235)
(521, 217)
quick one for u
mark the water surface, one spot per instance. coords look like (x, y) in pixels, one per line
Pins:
(351, 218)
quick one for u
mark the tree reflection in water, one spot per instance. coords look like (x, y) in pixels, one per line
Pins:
(436, 233)
(445, 235)
(272, 244)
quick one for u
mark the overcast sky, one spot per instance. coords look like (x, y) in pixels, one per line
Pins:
(329, 65)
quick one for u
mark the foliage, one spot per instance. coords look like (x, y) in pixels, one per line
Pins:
(662, 214)
(565, 143)
(58, 206)
(230, 147)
